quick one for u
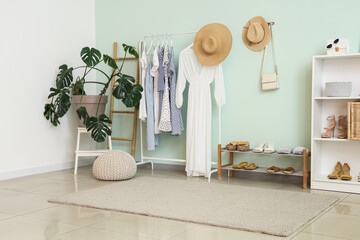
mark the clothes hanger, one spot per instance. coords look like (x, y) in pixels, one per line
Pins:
(151, 44)
(192, 44)
(162, 42)
(167, 40)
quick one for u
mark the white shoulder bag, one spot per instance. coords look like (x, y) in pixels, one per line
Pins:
(269, 81)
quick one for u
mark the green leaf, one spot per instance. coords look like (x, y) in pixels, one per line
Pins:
(78, 88)
(91, 57)
(128, 78)
(131, 50)
(50, 114)
(53, 92)
(83, 114)
(110, 61)
(64, 77)
(132, 99)
(62, 102)
(98, 128)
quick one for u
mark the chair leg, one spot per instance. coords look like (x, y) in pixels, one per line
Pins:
(76, 153)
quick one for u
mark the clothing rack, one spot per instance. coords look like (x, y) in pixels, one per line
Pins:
(149, 159)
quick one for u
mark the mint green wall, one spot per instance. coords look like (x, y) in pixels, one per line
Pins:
(302, 29)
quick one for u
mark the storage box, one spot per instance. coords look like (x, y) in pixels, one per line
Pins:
(354, 120)
(339, 48)
(338, 89)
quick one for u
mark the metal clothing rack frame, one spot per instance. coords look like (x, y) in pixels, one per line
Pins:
(149, 159)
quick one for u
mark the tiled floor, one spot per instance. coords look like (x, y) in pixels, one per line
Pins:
(26, 214)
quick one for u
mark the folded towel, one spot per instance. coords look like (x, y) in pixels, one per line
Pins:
(299, 150)
(285, 150)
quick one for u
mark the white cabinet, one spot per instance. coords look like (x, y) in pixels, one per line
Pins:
(326, 152)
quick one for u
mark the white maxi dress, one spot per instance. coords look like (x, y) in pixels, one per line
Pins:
(198, 130)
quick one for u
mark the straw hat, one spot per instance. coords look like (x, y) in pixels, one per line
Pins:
(256, 33)
(212, 44)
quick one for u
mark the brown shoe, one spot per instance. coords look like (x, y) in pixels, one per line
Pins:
(288, 170)
(273, 169)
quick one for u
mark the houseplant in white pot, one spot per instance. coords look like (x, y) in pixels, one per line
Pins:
(93, 118)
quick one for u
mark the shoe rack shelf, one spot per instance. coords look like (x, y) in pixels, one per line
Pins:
(326, 152)
(229, 167)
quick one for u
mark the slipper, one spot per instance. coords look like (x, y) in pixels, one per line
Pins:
(260, 147)
(288, 170)
(273, 169)
(252, 166)
(269, 148)
(241, 165)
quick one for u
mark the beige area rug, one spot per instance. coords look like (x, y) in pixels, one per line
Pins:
(267, 211)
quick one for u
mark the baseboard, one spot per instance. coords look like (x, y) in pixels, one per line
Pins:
(43, 169)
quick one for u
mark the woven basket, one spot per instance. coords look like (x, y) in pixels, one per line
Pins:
(114, 165)
(354, 120)
(242, 147)
(230, 147)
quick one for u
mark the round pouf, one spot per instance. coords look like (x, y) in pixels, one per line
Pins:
(114, 165)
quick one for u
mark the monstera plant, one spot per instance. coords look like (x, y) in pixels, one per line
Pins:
(125, 90)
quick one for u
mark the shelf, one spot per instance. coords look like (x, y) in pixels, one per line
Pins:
(353, 181)
(262, 153)
(90, 153)
(332, 139)
(337, 98)
(263, 170)
(344, 56)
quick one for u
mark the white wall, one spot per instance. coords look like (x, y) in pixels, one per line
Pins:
(36, 37)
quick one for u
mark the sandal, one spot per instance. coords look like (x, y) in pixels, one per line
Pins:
(346, 171)
(252, 166)
(337, 171)
(273, 169)
(288, 170)
(269, 148)
(241, 165)
(260, 147)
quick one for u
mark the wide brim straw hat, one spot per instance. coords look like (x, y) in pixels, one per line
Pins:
(212, 44)
(256, 33)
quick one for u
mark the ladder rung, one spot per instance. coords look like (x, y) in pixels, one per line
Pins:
(121, 139)
(131, 58)
(124, 112)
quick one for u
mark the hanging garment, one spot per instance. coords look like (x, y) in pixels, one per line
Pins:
(155, 73)
(161, 85)
(198, 132)
(152, 139)
(142, 107)
(177, 125)
(165, 121)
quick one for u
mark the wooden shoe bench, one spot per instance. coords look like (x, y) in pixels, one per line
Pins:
(229, 167)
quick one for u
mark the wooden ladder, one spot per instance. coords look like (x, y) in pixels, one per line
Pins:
(134, 112)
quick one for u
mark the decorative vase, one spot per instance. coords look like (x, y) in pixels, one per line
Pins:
(90, 102)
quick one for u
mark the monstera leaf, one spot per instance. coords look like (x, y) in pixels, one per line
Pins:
(90, 57)
(64, 77)
(130, 49)
(98, 128)
(62, 102)
(83, 114)
(110, 61)
(51, 115)
(132, 98)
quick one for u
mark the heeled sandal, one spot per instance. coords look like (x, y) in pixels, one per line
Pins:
(330, 130)
(337, 171)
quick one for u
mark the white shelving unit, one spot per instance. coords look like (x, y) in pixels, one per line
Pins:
(326, 152)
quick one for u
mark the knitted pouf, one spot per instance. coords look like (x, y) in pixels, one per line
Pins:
(114, 165)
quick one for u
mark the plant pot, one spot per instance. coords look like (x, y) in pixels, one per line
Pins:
(90, 102)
